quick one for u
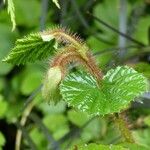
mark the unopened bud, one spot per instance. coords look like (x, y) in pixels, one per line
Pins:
(51, 83)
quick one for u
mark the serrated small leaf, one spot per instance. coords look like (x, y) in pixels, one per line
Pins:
(118, 88)
(30, 49)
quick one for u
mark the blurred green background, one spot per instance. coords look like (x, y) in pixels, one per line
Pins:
(48, 127)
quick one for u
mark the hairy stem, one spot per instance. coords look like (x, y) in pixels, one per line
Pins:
(71, 55)
(123, 127)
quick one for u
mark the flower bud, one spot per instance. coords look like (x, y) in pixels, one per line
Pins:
(50, 90)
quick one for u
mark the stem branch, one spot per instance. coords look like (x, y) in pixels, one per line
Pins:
(123, 127)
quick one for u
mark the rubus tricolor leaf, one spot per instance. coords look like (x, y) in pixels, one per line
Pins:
(118, 88)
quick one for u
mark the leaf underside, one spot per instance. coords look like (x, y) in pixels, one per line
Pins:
(118, 88)
(30, 49)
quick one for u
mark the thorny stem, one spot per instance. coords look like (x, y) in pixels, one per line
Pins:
(123, 127)
(71, 55)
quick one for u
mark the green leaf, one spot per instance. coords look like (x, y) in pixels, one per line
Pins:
(57, 124)
(38, 138)
(95, 129)
(27, 13)
(2, 140)
(78, 118)
(142, 26)
(93, 146)
(7, 39)
(3, 107)
(118, 88)
(143, 68)
(123, 85)
(147, 120)
(141, 137)
(32, 80)
(103, 10)
(30, 49)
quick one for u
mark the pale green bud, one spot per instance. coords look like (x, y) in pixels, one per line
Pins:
(50, 90)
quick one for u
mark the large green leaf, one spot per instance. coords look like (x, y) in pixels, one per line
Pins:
(118, 88)
(30, 49)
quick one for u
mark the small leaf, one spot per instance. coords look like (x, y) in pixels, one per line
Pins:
(118, 88)
(30, 49)
(56, 3)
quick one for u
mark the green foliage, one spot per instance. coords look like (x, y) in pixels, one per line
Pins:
(17, 83)
(142, 30)
(7, 38)
(77, 118)
(118, 88)
(2, 140)
(31, 81)
(57, 124)
(147, 121)
(40, 142)
(24, 13)
(94, 130)
(144, 68)
(30, 49)
(142, 137)
(3, 106)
